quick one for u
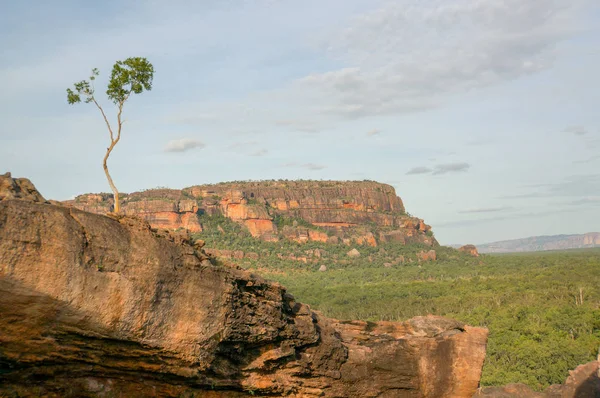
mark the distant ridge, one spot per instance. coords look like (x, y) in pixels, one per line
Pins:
(541, 243)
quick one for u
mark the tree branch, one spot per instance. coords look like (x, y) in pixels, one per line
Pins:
(119, 119)
(106, 120)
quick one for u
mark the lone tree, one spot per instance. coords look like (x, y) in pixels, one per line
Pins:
(132, 76)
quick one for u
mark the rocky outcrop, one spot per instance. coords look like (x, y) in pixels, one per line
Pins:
(18, 188)
(583, 382)
(469, 249)
(329, 210)
(430, 255)
(98, 305)
(162, 208)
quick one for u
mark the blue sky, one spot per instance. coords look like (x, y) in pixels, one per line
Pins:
(483, 114)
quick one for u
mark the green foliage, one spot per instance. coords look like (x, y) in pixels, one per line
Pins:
(82, 87)
(134, 75)
(539, 328)
(282, 221)
(531, 303)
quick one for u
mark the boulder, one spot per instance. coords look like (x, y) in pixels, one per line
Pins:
(19, 188)
(469, 249)
(353, 253)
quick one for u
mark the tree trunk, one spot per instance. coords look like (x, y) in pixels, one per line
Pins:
(117, 207)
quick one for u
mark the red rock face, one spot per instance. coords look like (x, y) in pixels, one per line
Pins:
(469, 249)
(261, 228)
(106, 306)
(344, 209)
(164, 209)
(367, 239)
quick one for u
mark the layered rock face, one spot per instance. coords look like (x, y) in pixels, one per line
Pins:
(96, 305)
(333, 210)
(162, 208)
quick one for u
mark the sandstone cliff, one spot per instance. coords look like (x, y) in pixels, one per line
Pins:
(540, 243)
(330, 211)
(107, 306)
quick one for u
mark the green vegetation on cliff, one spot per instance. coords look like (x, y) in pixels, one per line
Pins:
(542, 309)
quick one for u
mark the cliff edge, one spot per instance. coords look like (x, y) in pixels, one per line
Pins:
(365, 212)
(97, 305)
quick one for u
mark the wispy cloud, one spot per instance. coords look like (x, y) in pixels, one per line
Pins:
(577, 130)
(485, 210)
(308, 166)
(462, 45)
(480, 142)
(588, 160)
(242, 145)
(183, 145)
(451, 168)
(260, 152)
(512, 216)
(588, 200)
(445, 168)
(298, 125)
(576, 185)
(419, 170)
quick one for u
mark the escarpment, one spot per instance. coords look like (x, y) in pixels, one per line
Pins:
(96, 305)
(364, 212)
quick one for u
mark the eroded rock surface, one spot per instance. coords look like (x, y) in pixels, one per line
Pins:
(334, 209)
(107, 306)
(19, 188)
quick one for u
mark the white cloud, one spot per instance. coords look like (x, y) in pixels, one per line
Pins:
(183, 144)
(298, 125)
(440, 169)
(313, 166)
(577, 130)
(451, 168)
(308, 166)
(260, 152)
(485, 210)
(406, 56)
(242, 145)
(419, 170)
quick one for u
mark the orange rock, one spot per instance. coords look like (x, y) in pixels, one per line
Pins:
(152, 316)
(317, 236)
(430, 255)
(341, 207)
(259, 227)
(469, 249)
(368, 239)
